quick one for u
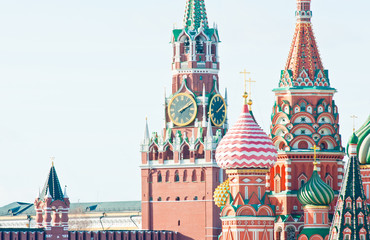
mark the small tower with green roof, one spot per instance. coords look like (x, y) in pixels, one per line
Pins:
(52, 206)
(351, 216)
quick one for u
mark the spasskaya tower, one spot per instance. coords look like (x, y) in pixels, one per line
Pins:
(178, 168)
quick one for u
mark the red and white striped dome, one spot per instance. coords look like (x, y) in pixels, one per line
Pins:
(246, 145)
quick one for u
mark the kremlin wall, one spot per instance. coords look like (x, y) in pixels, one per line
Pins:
(205, 180)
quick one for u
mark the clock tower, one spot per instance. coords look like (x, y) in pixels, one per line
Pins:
(178, 168)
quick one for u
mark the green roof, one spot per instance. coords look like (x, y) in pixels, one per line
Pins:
(309, 232)
(21, 208)
(52, 186)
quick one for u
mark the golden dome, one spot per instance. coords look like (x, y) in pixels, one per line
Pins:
(221, 193)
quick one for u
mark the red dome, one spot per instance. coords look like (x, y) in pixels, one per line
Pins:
(246, 145)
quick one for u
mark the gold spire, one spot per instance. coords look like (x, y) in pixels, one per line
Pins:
(354, 122)
(52, 161)
(314, 157)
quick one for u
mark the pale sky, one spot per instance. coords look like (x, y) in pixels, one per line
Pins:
(77, 79)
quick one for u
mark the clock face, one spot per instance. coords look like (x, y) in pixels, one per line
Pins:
(182, 109)
(217, 110)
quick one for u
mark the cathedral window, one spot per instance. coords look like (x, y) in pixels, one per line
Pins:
(303, 131)
(177, 199)
(347, 237)
(199, 44)
(303, 119)
(323, 218)
(348, 220)
(159, 177)
(159, 199)
(314, 218)
(196, 198)
(246, 192)
(360, 220)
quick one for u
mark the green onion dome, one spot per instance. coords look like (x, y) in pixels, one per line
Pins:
(363, 141)
(315, 192)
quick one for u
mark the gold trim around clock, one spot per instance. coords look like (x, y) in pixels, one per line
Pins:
(210, 114)
(195, 112)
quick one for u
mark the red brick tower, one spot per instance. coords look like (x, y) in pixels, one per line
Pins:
(304, 115)
(178, 170)
(52, 206)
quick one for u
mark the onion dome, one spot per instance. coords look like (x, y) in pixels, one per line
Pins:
(221, 193)
(353, 139)
(363, 147)
(315, 192)
(246, 145)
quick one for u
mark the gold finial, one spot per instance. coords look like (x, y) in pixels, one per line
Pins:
(52, 161)
(354, 122)
(314, 157)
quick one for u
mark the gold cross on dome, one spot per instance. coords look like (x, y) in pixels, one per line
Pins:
(314, 156)
(245, 78)
(354, 122)
(250, 81)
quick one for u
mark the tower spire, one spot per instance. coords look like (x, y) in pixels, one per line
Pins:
(195, 15)
(304, 66)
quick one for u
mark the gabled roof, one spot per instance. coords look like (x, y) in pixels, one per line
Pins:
(52, 186)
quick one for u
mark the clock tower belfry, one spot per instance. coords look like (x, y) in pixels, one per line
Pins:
(178, 169)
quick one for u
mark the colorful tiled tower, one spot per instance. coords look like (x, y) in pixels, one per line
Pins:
(52, 206)
(304, 115)
(178, 169)
(351, 217)
(315, 196)
(363, 149)
(247, 154)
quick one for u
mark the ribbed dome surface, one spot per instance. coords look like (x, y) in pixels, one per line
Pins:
(315, 192)
(246, 145)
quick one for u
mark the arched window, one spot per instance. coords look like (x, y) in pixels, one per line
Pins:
(199, 44)
(168, 176)
(185, 177)
(290, 233)
(302, 183)
(177, 177)
(168, 154)
(194, 176)
(153, 154)
(177, 198)
(200, 152)
(185, 152)
(196, 198)
(159, 199)
(202, 176)
(159, 177)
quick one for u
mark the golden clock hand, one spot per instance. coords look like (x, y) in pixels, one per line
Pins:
(220, 108)
(186, 106)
